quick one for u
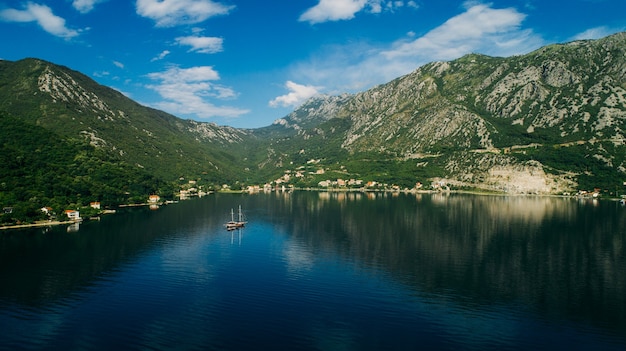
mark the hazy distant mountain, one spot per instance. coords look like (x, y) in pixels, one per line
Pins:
(314, 112)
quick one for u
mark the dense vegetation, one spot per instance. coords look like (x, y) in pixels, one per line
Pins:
(41, 169)
(65, 140)
(591, 172)
(78, 107)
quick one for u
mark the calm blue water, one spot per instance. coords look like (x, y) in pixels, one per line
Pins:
(323, 271)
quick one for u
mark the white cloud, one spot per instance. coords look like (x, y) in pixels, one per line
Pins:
(222, 92)
(187, 91)
(168, 13)
(297, 95)
(594, 33)
(161, 56)
(193, 74)
(44, 17)
(333, 10)
(336, 10)
(205, 45)
(101, 74)
(118, 64)
(376, 7)
(85, 6)
(412, 4)
(479, 29)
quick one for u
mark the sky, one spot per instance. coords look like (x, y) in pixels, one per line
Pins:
(246, 63)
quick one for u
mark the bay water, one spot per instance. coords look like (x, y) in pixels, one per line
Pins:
(323, 271)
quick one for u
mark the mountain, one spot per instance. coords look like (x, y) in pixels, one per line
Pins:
(42, 169)
(72, 105)
(67, 141)
(550, 121)
(313, 112)
(546, 122)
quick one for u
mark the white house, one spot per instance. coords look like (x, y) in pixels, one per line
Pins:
(72, 215)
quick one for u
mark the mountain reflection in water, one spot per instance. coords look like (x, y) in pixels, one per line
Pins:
(555, 255)
(324, 270)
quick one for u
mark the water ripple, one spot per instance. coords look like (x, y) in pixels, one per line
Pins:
(313, 273)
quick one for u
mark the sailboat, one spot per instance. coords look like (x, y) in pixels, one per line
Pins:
(233, 224)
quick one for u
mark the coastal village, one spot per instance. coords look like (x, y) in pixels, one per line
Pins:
(287, 182)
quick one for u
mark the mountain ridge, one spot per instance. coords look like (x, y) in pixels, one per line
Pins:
(551, 121)
(562, 95)
(73, 105)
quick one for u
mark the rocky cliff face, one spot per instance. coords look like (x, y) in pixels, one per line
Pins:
(576, 90)
(313, 112)
(478, 114)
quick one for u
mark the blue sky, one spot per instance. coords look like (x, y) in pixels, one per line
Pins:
(246, 63)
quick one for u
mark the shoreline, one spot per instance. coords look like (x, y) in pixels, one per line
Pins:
(469, 192)
(51, 223)
(38, 224)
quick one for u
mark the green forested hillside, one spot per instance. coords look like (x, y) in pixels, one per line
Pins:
(67, 140)
(72, 105)
(40, 168)
(549, 122)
